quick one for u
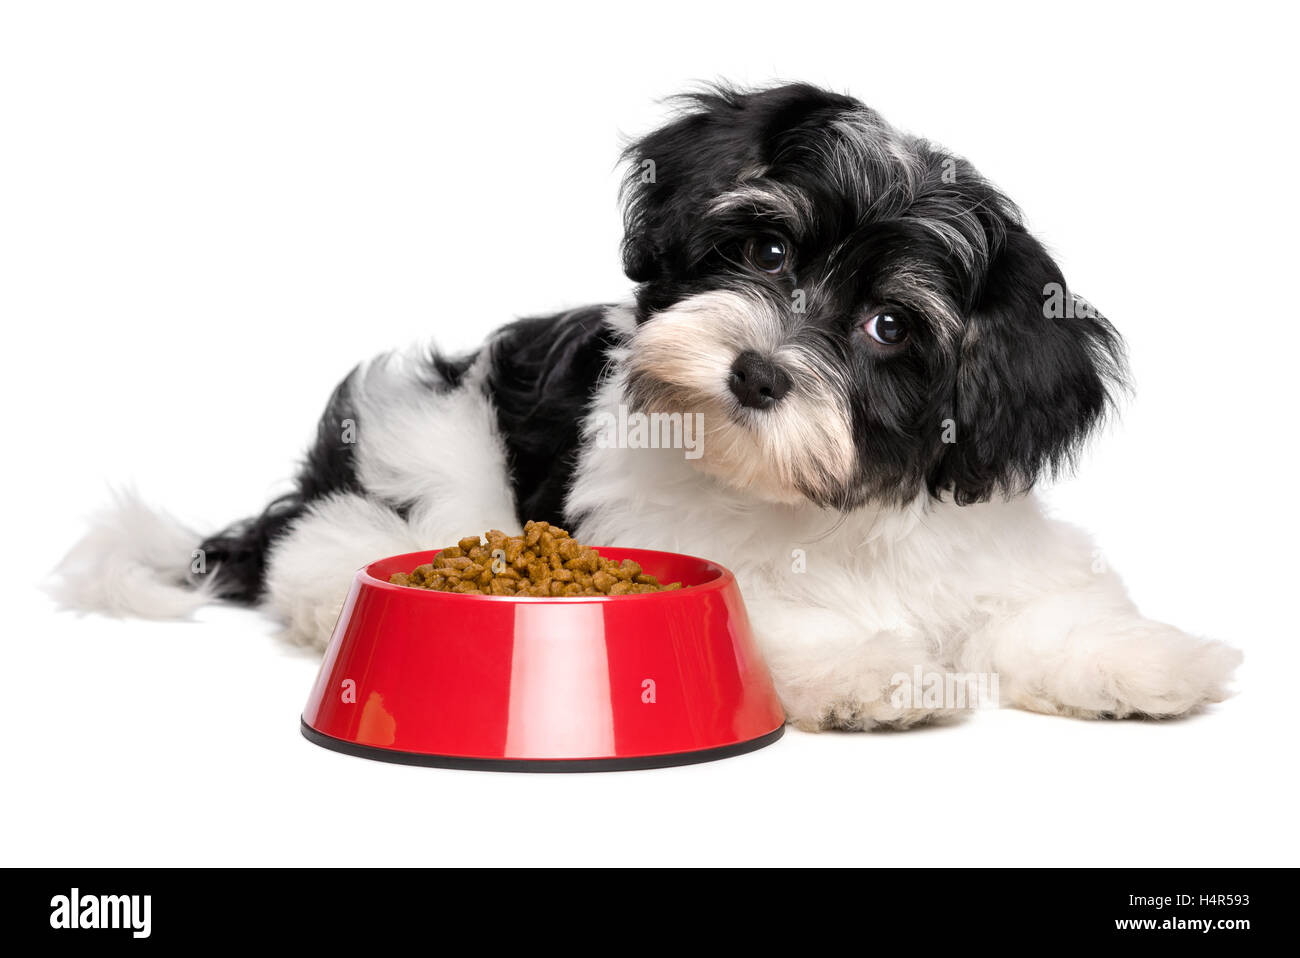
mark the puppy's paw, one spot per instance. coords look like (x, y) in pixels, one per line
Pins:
(1145, 668)
(849, 715)
(881, 704)
(311, 624)
(832, 674)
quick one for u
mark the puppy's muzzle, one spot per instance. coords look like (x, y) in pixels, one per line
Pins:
(757, 381)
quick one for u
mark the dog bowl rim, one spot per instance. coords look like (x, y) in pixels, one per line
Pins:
(613, 763)
(724, 579)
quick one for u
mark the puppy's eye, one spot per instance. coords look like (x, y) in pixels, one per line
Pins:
(887, 329)
(767, 253)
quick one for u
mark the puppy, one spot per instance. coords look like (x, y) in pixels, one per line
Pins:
(845, 365)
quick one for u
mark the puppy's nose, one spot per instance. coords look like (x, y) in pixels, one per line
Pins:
(757, 381)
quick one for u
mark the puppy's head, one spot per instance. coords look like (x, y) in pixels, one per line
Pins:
(856, 313)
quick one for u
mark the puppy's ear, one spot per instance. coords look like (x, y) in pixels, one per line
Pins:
(671, 173)
(1037, 371)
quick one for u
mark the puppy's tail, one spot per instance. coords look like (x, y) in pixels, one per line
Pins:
(134, 561)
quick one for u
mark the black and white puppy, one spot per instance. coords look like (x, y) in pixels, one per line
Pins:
(845, 365)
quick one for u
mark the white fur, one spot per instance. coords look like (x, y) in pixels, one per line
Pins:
(783, 203)
(132, 561)
(310, 570)
(996, 587)
(438, 452)
(804, 442)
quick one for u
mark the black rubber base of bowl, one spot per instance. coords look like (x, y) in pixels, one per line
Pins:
(539, 764)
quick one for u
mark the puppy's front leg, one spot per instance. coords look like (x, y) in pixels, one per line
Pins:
(1074, 644)
(832, 672)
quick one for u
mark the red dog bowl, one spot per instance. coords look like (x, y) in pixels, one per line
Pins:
(587, 683)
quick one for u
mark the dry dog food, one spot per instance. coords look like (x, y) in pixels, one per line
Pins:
(544, 561)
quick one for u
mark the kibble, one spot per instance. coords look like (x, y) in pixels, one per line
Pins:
(545, 561)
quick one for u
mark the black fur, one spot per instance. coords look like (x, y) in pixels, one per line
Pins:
(884, 221)
(1028, 386)
(541, 372)
(447, 373)
(541, 375)
(698, 157)
(236, 556)
(1022, 389)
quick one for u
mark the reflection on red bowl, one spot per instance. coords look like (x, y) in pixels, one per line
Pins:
(588, 683)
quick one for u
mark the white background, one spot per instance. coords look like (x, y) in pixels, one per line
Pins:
(208, 213)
